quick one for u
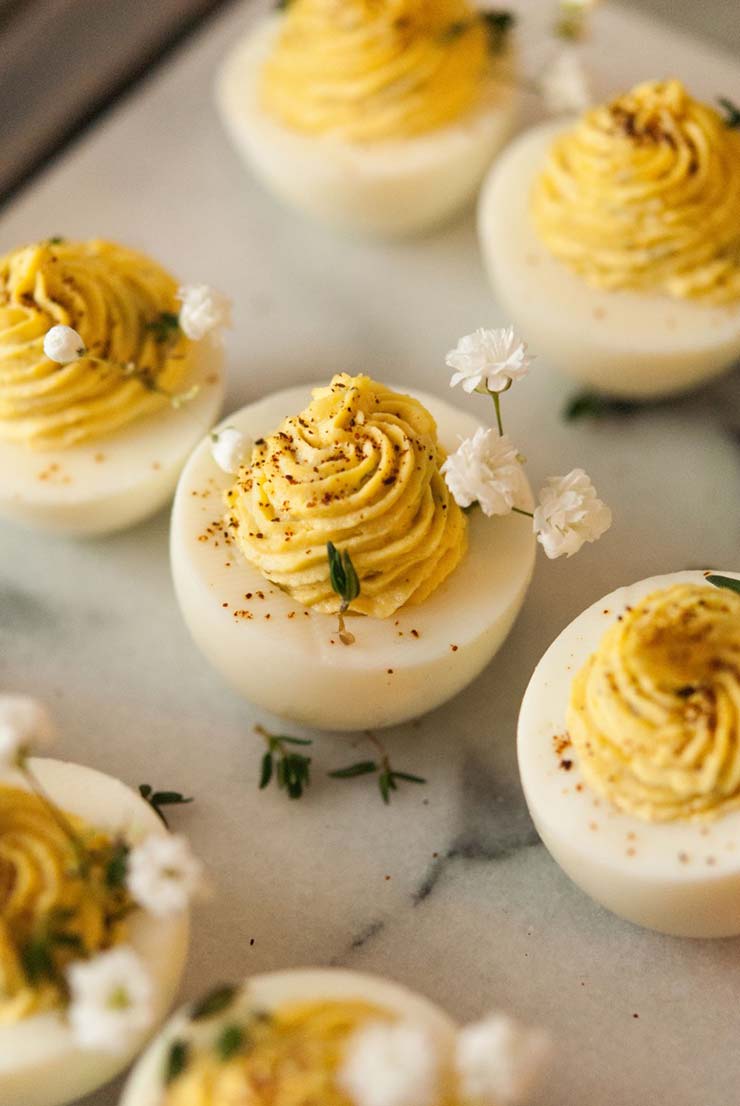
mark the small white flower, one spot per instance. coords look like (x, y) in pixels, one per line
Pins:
(564, 85)
(230, 448)
(25, 726)
(498, 1060)
(163, 875)
(486, 468)
(111, 1000)
(569, 514)
(488, 360)
(63, 344)
(203, 310)
(391, 1065)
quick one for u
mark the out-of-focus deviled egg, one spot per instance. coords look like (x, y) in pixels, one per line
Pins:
(93, 922)
(629, 752)
(614, 241)
(107, 380)
(429, 593)
(377, 117)
(334, 1037)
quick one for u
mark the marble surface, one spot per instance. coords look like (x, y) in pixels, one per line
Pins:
(448, 889)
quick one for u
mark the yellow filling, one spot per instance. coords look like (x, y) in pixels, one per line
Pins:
(644, 193)
(359, 468)
(51, 912)
(654, 714)
(291, 1059)
(115, 299)
(373, 70)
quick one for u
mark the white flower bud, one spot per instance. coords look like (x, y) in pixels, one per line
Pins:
(204, 310)
(230, 448)
(63, 344)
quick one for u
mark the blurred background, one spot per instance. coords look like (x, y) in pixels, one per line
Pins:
(63, 61)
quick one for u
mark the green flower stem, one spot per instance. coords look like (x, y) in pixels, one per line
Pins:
(497, 404)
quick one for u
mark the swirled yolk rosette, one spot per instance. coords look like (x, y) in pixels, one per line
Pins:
(654, 715)
(294, 1057)
(644, 193)
(50, 912)
(116, 299)
(375, 70)
(360, 467)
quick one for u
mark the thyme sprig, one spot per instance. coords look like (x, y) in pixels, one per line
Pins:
(292, 771)
(723, 582)
(388, 776)
(345, 582)
(731, 112)
(158, 799)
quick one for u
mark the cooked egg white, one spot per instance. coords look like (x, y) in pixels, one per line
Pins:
(40, 1065)
(288, 659)
(269, 992)
(119, 479)
(636, 344)
(384, 187)
(680, 877)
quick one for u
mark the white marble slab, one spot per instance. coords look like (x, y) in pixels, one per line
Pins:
(448, 889)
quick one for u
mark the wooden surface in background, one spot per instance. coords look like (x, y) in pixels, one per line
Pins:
(62, 60)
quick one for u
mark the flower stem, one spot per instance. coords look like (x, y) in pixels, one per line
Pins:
(521, 511)
(497, 404)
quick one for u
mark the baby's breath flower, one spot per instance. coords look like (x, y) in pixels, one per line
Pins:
(391, 1065)
(498, 1060)
(163, 875)
(564, 84)
(111, 1000)
(63, 344)
(488, 360)
(569, 514)
(486, 468)
(25, 726)
(230, 448)
(203, 311)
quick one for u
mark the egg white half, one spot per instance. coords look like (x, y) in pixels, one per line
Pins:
(40, 1064)
(288, 660)
(115, 481)
(632, 344)
(271, 991)
(681, 878)
(386, 188)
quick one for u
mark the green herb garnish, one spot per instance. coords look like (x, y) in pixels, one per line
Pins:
(230, 1041)
(731, 112)
(345, 583)
(498, 23)
(115, 869)
(215, 1002)
(178, 1057)
(158, 799)
(724, 582)
(56, 240)
(291, 770)
(165, 327)
(388, 776)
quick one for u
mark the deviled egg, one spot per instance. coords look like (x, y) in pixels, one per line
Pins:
(374, 117)
(92, 944)
(102, 392)
(335, 1037)
(358, 467)
(613, 241)
(629, 753)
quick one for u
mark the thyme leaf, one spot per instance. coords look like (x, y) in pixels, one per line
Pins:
(731, 112)
(724, 582)
(158, 799)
